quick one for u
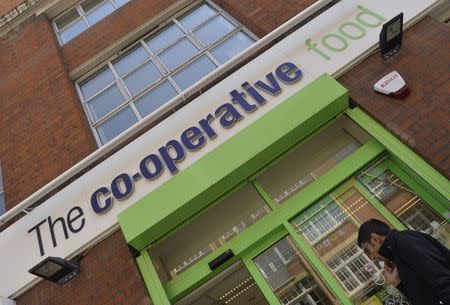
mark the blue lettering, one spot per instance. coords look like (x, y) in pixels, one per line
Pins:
(95, 203)
(229, 115)
(193, 138)
(274, 88)
(118, 192)
(175, 146)
(285, 71)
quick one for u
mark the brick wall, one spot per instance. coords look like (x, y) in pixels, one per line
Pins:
(110, 29)
(421, 120)
(109, 276)
(43, 130)
(263, 16)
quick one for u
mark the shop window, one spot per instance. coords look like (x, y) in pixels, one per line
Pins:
(158, 68)
(218, 225)
(233, 286)
(405, 204)
(2, 193)
(77, 19)
(290, 277)
(330, 227)
(312, 159)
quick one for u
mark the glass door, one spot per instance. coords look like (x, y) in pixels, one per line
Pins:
(290, 277)
(233, 286)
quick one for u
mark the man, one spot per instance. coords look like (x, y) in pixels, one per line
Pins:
(413, 261)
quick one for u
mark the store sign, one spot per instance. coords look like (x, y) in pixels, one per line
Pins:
(89, 206)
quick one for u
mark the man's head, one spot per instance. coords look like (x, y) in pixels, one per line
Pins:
(370, 237)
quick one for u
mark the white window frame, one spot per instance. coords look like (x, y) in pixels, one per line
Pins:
(82, 15)
(166, 74)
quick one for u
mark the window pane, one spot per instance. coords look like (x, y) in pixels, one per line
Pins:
(312, 159)
(96, 83)
(194, 72)
(119, 3)
(89, 4)
(113, 127)
(130, 60)
(214, 29)
(100, 13)
(105, 102)
(193, 19)
(224, 221)
(67, 18)
(178, 53)
(164, 38)
(283, 267)
(142, 78)
(155, 98)
(406, 205)
(2, 203)
(72, 31)
(330, 227)
(231, 47)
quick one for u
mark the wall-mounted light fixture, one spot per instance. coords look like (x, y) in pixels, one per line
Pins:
(391, 36)
(56, 269)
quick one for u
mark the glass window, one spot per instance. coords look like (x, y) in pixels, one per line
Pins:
(231, 47)
(404, 203)
(330, 227)
(82, 16)
(225, 220)
(118, 123)
(198, 16)
(158, 68)
(214, 29)
(106, 101)
(142, 77)
(290, 277)
(196, 70)
(312, 159)
(165, 38)
(233, 286)
(155, 98)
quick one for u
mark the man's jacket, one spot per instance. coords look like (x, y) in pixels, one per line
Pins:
(423, 265)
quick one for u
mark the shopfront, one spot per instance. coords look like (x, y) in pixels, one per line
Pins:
(278, 206)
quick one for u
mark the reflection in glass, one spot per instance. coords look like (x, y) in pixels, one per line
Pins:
(96, 83)
(67, 18)
(72, 31)
(100, 13)
(195, 18)
(214, 29)
(164, 38)
(142, 77)
(178, 53)
(105, 102)
(291, 280)
(118, 123)
(233, 286)
(155, 98)
(330, 227)
(406, 205)
(130, 60)
(312, 159)
(194, 72)
(231, 47)
(224, 221)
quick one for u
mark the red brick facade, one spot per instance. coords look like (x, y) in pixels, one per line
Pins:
(421, 120)
(43, 128)
(109, 276)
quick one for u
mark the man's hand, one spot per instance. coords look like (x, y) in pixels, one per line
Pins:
(391, 274)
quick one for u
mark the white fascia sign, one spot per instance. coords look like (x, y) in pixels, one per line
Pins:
(87, 209)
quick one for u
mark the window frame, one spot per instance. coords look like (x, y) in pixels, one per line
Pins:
(81, 16)
(153, 57)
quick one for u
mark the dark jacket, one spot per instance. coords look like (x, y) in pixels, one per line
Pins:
(423, 265)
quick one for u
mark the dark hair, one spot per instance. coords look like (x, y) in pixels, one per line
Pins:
(369, 227)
